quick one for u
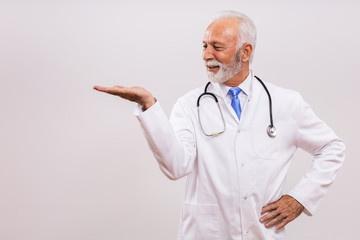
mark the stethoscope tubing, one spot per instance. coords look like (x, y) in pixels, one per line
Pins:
(270, 101)
(271, 130)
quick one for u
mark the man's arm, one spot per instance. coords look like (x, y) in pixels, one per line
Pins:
(173, 144)
(315, 137)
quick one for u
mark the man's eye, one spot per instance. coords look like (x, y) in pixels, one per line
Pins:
(217, 48)
(204, 46)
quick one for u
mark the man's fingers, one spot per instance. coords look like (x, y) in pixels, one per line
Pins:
(99, 88)
(268, 208)
(283, 223)
(117, 91)
(269, 216)
(111, 90)
(276, 218)
(281, 212)
(274, 221)
(271, 212)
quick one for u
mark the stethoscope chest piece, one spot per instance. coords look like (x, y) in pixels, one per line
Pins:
(271, 131)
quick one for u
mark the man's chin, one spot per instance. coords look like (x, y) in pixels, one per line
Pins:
(215, 79)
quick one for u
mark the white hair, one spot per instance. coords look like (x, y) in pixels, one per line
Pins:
(247, 29)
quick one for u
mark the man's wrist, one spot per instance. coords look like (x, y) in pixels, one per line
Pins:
(147, 104)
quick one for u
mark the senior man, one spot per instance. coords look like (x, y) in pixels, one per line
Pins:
(236, 177)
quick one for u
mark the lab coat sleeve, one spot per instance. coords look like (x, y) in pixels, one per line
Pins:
(172, 143)
(315, 137)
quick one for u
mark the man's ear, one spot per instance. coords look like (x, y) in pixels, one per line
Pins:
(246, 51)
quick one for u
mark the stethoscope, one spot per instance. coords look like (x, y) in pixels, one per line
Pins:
(271, 130)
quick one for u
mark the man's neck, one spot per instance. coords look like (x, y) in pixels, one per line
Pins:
(238, 78)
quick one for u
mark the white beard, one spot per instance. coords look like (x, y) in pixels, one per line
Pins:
(225, 72)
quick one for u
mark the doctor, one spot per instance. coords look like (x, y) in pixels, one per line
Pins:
(235, 180)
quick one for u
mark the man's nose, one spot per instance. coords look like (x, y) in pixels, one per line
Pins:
(208, 54)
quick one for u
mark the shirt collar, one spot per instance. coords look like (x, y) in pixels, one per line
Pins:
(245, 86)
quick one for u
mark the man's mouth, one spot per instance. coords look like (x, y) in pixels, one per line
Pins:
(212, 68)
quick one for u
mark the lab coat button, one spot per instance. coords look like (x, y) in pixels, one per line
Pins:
(238, 131)
(245, 197)
(246, 232)
(242, 164)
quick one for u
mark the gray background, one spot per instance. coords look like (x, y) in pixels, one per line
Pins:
(73, 162)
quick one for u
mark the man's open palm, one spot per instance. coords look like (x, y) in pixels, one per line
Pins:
(134, 94)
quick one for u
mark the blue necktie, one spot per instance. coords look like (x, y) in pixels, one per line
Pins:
(235, 102)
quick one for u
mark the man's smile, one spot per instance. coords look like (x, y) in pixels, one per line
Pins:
(213, 69)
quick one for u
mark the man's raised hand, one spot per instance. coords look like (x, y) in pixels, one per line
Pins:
(134, 94)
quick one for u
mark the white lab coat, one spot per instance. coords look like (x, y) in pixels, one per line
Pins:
(230, 177)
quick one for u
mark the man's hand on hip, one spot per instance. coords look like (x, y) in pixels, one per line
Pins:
(281, 212)
(134, 94)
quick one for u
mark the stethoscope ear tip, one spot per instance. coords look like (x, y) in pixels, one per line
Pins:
(271, 130)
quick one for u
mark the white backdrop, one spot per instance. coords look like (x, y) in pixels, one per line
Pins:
(73, 162)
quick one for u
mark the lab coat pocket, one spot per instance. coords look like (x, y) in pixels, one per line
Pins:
(200, 222)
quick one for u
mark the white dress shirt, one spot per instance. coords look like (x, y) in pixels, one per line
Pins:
(245, 94)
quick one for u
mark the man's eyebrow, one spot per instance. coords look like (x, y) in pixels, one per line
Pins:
(213, 43)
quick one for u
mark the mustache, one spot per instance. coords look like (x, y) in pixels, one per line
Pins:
(213, 63)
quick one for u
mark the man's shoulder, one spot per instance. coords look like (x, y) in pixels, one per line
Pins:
(191, 96)
(275, 87)
(284, 100)
(281, 93)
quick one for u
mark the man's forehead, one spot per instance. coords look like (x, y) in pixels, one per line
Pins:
(222, 29)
